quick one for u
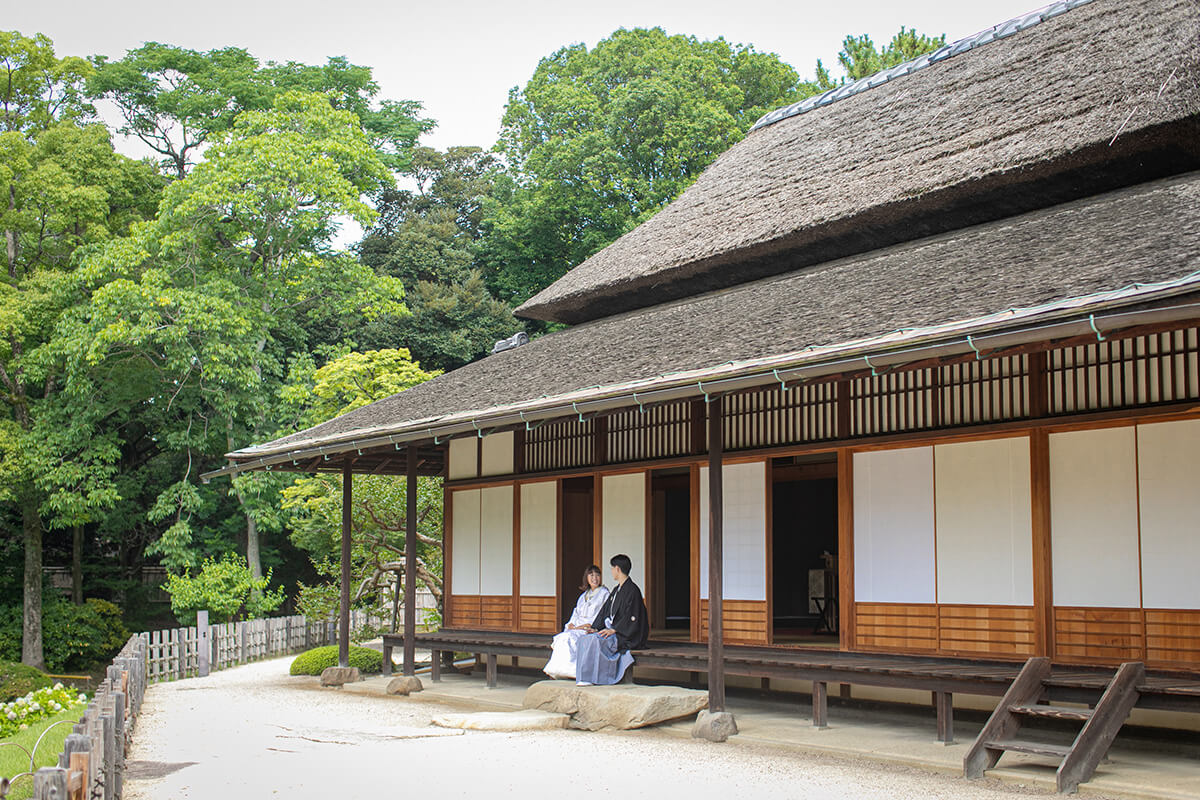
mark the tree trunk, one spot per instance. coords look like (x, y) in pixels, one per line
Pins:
(77, 565)
(253, 556)
(31, 637)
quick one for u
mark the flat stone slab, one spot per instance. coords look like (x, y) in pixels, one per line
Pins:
(527, 720)
(620, 707)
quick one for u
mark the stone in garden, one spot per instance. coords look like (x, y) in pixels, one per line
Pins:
(715, 726)
(338, 676)
(526, 720)
(404, 685)
(620, 707)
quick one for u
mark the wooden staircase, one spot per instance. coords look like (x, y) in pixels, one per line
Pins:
(1025, 702)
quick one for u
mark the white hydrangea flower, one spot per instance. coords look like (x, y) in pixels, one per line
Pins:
(57, 686)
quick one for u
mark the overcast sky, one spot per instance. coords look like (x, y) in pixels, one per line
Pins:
(460, 58)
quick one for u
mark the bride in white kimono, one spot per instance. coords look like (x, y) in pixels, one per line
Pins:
(562, 649)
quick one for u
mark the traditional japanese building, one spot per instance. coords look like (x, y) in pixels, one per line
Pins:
(939, 332)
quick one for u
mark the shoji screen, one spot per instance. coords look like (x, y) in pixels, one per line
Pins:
(893, 526)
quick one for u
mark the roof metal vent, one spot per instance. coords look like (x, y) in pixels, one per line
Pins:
(516, 340)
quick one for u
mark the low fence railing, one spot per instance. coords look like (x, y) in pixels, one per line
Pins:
(92, 763)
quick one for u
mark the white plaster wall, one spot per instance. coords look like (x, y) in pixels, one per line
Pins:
(464, 461)
(984, 522)
(496, 540)
(497, 455)
(1093, 518)
(743, 531)
(539, 530)
(623, 521)
(893, 526)
(464, 543)
(1169, 494)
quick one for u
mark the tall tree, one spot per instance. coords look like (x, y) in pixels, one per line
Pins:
(598, 140)
(199, 308)
(64, 188)
(175, 100)
(428, 237)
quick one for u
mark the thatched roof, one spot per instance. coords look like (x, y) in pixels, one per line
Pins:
(1144, 234)
(1103, 96)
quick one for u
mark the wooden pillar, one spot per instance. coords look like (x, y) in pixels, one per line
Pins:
(344, 618)
(410, 562)
(1043, 593)
(716, 633)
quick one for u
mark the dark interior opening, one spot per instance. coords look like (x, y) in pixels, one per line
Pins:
(575, 549)
(804, 540)
(670, 598)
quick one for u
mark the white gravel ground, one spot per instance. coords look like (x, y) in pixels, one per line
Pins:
(255, 732)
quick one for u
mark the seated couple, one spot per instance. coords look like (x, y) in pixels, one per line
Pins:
(594, 646)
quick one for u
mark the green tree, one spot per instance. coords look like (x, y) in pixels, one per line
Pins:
(64, 189)
(428, 238)
(225, 588)
(598, 140)
(198, 309)
(378, 513)
(860, 57)
(175, 100)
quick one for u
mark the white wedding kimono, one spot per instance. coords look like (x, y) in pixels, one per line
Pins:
(562, 649)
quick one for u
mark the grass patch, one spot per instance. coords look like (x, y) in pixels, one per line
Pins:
(13, 760)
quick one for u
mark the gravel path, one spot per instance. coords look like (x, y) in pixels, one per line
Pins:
(255, 732)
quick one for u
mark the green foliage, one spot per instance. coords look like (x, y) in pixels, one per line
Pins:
(175, 99)
(860, 57)
(598, 140)
(317, 660)
(429, 240)
(36, 706)
(75, 637)
(17, 680)
(226, 589)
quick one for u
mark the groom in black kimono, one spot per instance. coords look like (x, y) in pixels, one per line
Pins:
(602, 656)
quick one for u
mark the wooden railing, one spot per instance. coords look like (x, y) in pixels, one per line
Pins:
(92, 763)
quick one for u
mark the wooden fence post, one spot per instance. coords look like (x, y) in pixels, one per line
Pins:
(202, 646)
(181, 652)
(108, 725)
(76, 758)
(50, 783)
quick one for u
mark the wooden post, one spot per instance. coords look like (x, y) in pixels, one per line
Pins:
(344, 632)
(118, 755)
(410, 561)
(820, 704)
(435, 665)
(180, 637)
(944, 701)
(716, 633)
(241, 627)
(50, 783)
(108, 732)
(202, 646)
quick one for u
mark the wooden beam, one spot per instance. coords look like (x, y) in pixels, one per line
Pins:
(410, 562)
(716, 643)
(344, 623)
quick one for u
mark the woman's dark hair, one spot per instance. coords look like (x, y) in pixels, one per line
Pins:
(593, 568)
(621, 562)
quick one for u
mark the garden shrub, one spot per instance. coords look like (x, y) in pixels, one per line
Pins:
(224, 588)
(18, 679)
(73, 637)
(315, 661)
(28, 709)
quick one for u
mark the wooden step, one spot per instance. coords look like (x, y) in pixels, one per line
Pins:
(1033, 748)
(1053, 712)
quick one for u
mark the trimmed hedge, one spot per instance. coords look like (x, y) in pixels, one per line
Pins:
(315, 661)
(18, 680)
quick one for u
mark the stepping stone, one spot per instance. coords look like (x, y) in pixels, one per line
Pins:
(620, 707)
(526, 720)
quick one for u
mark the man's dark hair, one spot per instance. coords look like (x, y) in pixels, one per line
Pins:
(622, 562)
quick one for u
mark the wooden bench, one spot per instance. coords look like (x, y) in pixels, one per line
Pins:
(940, 676)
